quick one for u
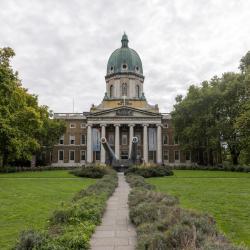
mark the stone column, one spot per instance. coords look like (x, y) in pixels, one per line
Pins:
(131, 135)
(89, 144)
(159, 145)
(117, 140)
(145, 143)
(103, 153)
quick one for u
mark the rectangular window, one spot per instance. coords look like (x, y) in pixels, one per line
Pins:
(60, 155)
(83, 125)
(188, 156)
(71, 155)
(97, 155)
(83, 155)
(165, 155)
(83, 139)
(138, 135)
(165, 139)
(61, 140)
(124, 139)
(111, 139)
(72, 125)
(176, 155)
(72, 139)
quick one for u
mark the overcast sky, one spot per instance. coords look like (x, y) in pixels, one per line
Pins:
(62, 46)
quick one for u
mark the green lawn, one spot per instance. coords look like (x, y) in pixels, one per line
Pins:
(27, 200)
(225, 195)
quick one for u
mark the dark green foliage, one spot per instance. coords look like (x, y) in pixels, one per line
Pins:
(25, 127)
(212, 120)
(91, 171)
(245, 169)
(30, 240)
(150, 171)
(72, 225)
(162, 224)
(105, 185)
(137, 181)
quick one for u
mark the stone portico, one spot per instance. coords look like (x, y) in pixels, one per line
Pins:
(124, 122)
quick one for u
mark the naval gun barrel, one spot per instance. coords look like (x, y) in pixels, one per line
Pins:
(133, 152)
(108, 149)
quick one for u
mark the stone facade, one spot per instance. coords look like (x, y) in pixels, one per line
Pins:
(123, 113)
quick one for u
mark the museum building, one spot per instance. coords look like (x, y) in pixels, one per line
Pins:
(124, 113)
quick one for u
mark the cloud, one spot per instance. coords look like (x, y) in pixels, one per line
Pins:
(62, 47)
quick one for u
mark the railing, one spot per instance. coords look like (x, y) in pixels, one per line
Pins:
(69, 116)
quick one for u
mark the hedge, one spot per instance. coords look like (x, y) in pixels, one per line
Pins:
(245, 169)
(91, 171)
(161, 224)
(12, 169)
(71, 226)
(150, 171)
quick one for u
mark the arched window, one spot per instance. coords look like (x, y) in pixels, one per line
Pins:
(111, 91)
(138, 91)
(124, 89)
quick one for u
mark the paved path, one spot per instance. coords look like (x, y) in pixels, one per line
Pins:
(116, 232)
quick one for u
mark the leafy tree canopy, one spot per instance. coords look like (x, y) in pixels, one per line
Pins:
(214, 114)
(25, 127)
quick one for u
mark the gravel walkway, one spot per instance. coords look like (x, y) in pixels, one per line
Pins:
(116, 231)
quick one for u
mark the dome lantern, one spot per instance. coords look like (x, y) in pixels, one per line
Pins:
(124, 41)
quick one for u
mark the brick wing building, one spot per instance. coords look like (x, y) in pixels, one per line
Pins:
(123, 113)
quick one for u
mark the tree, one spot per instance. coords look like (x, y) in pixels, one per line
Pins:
(22, 121)
(216, 112)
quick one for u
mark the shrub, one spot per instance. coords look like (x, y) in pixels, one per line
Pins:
(225, 167)
(91, 171)
(150, 171)
(31, 239)
(137, 181)
(162, 224)
(72, 225)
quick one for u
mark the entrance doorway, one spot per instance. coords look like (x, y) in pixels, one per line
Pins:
(124, 154)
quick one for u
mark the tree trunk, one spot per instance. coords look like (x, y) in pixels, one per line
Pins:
(5, 158)
(235, 155)
(235, 158)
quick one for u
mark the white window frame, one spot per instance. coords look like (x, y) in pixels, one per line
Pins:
(179, 154)
(72, 125)
(58, 157)
(85, 140)
(72, 161)
(167, 139)
(125, 136)
(176, 138)
(61, 138)
(83, 125)
(70, 138)
(164, 155)
(81, 156)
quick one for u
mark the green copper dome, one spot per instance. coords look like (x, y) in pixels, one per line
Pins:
(124, 59)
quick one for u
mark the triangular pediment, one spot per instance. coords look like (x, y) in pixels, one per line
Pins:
(124, 111)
